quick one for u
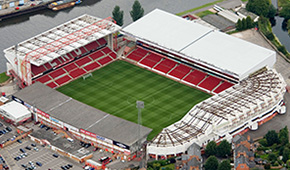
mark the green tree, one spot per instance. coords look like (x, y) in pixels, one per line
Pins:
(210, 148)
(239, 25)
(285, 11)
(211, 163)
(259, 7)
(272, 11)
(284, 136)
(223, 149)
(272, 157)
(272, 137)
(250, 22)
(224, 165)
(137, 11)
(244, 24)
(285, 155)
(118, 15)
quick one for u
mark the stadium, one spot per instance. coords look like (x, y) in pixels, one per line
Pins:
(198, 84)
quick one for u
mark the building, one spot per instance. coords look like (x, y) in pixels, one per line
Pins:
(192, 159)
(243, 155)
(253, 94)
(15, 113)
(84, 122)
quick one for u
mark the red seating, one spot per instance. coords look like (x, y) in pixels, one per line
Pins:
(148, 62)
(113, 55)
(72, 53)
(195, 77)
(52, 85)
(92, 45)
(96, 55)
(141, 51)
(154, 57)
(165, 65)
(77, 72)
(37, 70)
(180, 71)
(63, 80)
(135, 57)
(223, 86)
(57, 73)
(48, 66)
(106, 50)
(83, 61)
(83, 50)
(43, 79)
(92, 66)
(210, 83)
(105, 60)
(102, 41)
(70, 67)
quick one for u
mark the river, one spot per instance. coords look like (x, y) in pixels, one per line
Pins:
(279, 30)
(15, 30)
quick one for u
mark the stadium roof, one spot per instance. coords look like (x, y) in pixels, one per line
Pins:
(201, 44)
(64, 38)
(15, 110)
(80, 115)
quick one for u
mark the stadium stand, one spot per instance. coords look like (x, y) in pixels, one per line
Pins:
(222, 87)
(180, 71)
(232, 111)
(210, 83)
(165, 65)
(195, 77)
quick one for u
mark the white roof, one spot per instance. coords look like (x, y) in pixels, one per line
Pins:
(64, 38)
(201, 44)
(14, 110)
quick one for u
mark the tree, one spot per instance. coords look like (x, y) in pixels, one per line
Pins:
(285, 11)
(239, 25)
(259, 7)
(211, 163)
(210, 148)
(225, 165)
(244, 24)
(118, 15)
(285, 155)
(223, 149)
(250, 22)
(272, 137)
(284, 136)
(272, 11)
(137, 11)
(272, 157)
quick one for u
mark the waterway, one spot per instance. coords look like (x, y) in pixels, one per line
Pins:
(15, 30)
(279, 29)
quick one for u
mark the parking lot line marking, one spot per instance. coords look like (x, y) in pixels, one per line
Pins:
(8, 154)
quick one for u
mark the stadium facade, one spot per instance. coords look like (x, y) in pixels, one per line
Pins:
(246, 90)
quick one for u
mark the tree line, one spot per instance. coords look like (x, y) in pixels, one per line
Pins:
(136, 13)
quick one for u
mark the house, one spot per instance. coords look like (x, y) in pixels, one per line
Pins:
(192, 159)
(243, 155)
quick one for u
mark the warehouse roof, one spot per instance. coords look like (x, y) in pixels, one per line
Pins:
(80, 115)
(14, 109)
(201, 44)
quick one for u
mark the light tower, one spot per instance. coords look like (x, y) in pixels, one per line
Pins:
(139, 105)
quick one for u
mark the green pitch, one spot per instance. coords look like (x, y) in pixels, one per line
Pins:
(116, 88)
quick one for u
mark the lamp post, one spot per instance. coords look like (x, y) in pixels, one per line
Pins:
(139, 105)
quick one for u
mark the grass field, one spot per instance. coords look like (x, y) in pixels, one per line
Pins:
(116, 88)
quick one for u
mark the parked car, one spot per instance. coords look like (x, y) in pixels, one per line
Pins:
(1, 124)
(28, 148)
(34, 145)
(19, 141)
(55, 155)
(36, 149)
(8, 129)
(70, 165)
(24, 166)
(22, 150)
(38, 163)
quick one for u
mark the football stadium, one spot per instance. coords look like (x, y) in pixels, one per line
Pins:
(198, 84)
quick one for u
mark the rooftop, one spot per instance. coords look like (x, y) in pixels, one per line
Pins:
(80, 115)
(191, 40)
(63, 39)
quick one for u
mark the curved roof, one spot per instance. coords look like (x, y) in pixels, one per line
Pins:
(201, 44)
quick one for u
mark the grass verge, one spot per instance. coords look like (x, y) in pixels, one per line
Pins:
(116, 88)
(200, 7)
(3, 77)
